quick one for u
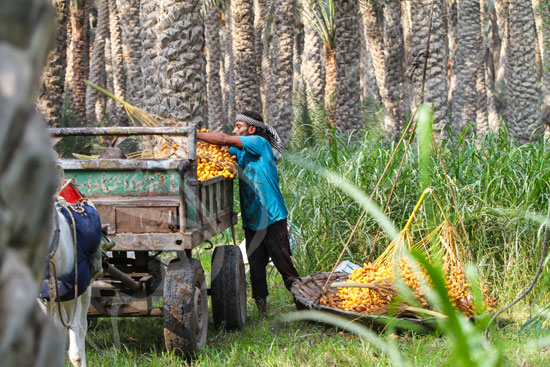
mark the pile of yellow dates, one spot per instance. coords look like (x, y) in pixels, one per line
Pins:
(376, 300)
(213, 160)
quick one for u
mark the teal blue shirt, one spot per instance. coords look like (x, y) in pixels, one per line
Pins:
(262, 203)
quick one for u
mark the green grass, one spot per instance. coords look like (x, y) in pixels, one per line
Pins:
(275, 342)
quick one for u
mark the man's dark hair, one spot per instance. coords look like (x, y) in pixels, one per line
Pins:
(256, 116)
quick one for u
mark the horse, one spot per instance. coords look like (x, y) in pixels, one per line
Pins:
(72, 266)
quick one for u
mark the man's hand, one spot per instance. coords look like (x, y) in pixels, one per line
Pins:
(221, 139)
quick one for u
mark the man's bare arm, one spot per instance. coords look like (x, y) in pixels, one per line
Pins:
(221, 139)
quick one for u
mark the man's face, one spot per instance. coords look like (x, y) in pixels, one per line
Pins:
(243, 129)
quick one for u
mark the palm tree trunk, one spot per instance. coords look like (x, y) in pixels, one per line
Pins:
(247, 89)
(285, 24)
(129, 12)
(542, 12)
(95, 101)
(348, 87)
(452, 33)
(269, 43)
(259, 24)
(368, 75)
(407, 30)
(28, 183)
(150, 56)
(52, 85)
(313, 64)
(117, 63)
(229, 68)
(491, 54)
(501, 9)
(182, 71)
(80, 57)
(330, 86)
(216, 116)
(469, 48)
(522, 84)
(385, 38)
(69, 72)
(435, 89)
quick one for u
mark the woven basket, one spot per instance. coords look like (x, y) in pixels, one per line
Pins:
(309, 290)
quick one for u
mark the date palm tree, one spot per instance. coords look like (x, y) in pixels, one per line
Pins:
(368, 75)
(452, 34)
(347, 60)
(117, 63)
(52, 84)
(313, 63)
(285, 23)
(182, 67)
(266, 43)
(149, 10)
(247, 90)
(469, 104)
(384, 32)
(95, 101)
(129, 13)
(212, 18)
(80, 57)
(522, 81)
(228, 77)
(321, 17)
(542, 15)
(428, 32)
(501, 10)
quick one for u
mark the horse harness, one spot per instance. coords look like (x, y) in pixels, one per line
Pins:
(53, 287)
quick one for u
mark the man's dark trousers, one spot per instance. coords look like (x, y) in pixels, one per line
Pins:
(271, 242)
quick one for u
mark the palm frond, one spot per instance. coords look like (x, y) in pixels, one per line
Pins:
(321, 17)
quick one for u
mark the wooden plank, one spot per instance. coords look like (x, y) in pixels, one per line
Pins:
(218, 202)
(213, 180)
(155, 241)
(107, 216)
(120, 307)
(174, 241)
(145, 219)
(121, 131)
(134, 201)
(110, 164)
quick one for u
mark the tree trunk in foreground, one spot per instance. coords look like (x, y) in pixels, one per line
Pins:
(27, 179)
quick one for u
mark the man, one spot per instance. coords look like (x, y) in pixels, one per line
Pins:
(263, 209)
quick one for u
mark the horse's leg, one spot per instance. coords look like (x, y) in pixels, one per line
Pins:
(82, 318)
(74, 332)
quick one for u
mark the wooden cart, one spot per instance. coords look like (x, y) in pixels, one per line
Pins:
(157, 205)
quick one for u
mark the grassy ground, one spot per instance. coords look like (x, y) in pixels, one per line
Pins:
(276, 342)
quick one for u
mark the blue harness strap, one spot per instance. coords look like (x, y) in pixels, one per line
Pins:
(88, 239)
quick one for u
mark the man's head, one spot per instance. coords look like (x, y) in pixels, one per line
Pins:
(243, 128)
(252, 123)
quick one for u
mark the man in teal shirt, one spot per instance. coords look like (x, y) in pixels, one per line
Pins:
(263, 208)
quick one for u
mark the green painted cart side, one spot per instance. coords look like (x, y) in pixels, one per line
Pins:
(152, 204)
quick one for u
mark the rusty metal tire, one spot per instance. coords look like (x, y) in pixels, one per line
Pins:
(185, 307)
(228, 288)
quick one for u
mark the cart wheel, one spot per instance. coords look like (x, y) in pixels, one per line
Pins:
(228, 287)
(185, 307)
